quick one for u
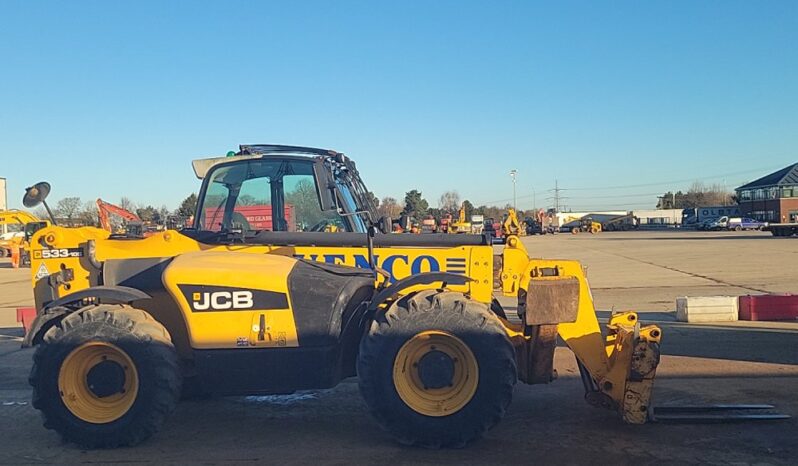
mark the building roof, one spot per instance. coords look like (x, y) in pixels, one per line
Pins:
(787, 176)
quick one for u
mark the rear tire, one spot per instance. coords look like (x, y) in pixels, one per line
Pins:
(86, 387)
(453, 411)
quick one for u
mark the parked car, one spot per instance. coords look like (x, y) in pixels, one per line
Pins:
(705, 225)
(746, 223)
(737, 224)
(722, 223)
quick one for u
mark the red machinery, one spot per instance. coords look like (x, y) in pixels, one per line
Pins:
(106, 209)
(259, 217)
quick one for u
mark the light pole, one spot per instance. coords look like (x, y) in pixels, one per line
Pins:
(513, 172)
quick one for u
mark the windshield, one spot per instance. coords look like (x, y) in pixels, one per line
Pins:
(265, 195)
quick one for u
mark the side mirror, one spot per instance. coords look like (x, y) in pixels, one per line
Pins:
(36, 195)
(325, 188)
(385, 224)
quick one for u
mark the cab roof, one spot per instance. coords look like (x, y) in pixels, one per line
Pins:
(257, 151)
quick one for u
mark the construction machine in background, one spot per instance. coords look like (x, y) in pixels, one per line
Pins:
(477, 224)
(9, 242)
(132, 227)
(621, 223)
(586, 225)
(461, 226)
(429, 225)
(511, 225)
(16, 244)
(223, 308)
(537, 224)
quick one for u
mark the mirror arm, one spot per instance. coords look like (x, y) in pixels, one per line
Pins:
(50, 213)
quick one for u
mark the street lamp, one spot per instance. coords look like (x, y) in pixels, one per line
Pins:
(513, 172)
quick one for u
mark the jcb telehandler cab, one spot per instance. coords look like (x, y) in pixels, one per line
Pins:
(247, 303)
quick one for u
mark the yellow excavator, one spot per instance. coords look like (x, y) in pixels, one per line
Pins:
(461, 226)
(16, 245)
(511, 225)
(224, 308)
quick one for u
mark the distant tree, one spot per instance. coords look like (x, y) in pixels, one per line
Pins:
(436, 213)
(697, 195)
(389, 207)
(149, 214)
(88, 214)
(188, 207)
(247, 199)
(69, 209)
(469, 208)
(41, 212)
(493, 212)
(415, 204)
(164, 212)
(305, 202)
(449, 201)
(127, 204)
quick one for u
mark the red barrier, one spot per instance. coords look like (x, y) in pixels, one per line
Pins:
(769, 307)
(26, 315)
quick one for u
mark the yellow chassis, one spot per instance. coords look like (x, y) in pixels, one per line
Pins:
(619, 367)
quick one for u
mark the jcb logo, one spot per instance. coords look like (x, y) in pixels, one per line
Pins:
(222, 300)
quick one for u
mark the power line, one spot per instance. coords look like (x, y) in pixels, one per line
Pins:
(616, 196)
(558, 196)
(670, 182)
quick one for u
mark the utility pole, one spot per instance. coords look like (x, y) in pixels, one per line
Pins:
(556, 196)
(514, 172)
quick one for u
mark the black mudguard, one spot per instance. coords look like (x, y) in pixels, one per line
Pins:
(56, 310)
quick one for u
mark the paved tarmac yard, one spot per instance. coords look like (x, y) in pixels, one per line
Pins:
(707, 363)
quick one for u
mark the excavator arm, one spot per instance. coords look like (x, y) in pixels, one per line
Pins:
(105, 209)
(10, 217)
(511, 225)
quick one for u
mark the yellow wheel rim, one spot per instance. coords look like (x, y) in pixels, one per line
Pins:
(435, 373)
(98, 382)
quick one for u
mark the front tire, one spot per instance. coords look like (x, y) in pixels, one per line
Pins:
(106, 376)
(437, 369)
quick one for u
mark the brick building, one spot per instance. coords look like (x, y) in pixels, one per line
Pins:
(772, 198)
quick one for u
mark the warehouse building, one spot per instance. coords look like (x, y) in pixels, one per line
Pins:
(772, 198)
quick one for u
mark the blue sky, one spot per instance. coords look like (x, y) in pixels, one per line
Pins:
(619, 99)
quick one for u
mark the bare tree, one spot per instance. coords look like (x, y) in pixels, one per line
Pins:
(164, 212)
(449, 201)
(697, 195)
(88, 214)
(389, 207)
(68, 208)
(127, 204)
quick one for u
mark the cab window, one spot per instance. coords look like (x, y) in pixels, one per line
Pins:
(265, 195)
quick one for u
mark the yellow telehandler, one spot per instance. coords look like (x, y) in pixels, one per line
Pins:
(125, 325)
